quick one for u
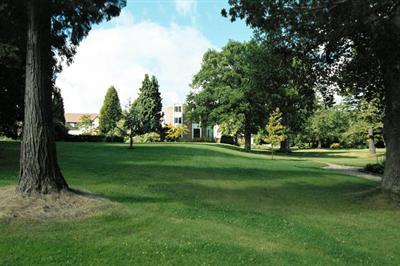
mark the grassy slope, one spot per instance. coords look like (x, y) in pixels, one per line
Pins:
(195, 204)
(343, 157)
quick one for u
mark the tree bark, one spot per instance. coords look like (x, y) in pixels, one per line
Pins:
(272, 151)
(247, 133)
(319, 143)
(371, 141)
(236, 140)
(285, 146)
(39, 170)
(391, 179)
(247, 140)
(131, 138)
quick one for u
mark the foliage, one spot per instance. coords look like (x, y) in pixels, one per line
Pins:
(148, 106)
(275, 130)
(223, 91)
(232, 126)
(175, 132)
(60, 129)
(376, 168)
(352, 45)
(71, 22)
(366, 115)
(86, 125)
(238, 85)
(110, 112)
(93, 138)
(335, 145)
(148, 137)
(328, 124)
(227, 140)
(368, 34)
(259, 137)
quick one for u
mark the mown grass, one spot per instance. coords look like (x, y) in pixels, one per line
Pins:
(195, 204)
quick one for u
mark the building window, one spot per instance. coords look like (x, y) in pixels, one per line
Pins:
(178, 109)
(178, 120)
(196, 133)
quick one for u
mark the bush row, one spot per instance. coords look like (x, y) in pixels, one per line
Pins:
(93, 138)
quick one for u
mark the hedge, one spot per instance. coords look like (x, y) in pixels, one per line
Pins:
(93, 138)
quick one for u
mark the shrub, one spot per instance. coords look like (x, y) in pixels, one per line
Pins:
(93, 138)
(176, 132)
(376, 168)
(301, 145)
(227, 140)
(335, 146)
(146, 138)
(199, 140)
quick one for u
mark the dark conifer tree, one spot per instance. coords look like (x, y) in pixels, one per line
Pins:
(110, 112)
(58, 114)
(149, 105)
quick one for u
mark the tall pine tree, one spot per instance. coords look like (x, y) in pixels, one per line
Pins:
(110, 112)
(149, 106)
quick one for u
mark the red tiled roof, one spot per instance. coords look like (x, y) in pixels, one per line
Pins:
(76, 117)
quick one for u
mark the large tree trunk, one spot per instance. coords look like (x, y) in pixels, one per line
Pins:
(247, 140)
(285, 146)
(391, 179)
(371, 141)
(131, 138)
(39, 171)
(247, 134)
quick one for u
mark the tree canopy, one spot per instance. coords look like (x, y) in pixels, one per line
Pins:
(351, 43)
(223, 90)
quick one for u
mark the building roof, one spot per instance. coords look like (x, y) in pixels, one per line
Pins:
(76, 117)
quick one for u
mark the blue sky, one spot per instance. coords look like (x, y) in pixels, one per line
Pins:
(165, 38)
(205, 15)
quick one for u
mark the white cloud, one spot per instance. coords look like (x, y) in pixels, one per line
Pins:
(122, 54)
(185, 7)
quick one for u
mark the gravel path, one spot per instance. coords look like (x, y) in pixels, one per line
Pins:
(352, 170)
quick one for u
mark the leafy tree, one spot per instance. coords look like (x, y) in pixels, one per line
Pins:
(86, 124)
(58, 114)
(366, 120)
(110, 112)
(12, 66)
(263, 88)
(148, 106)
(328, 124)
(175, 132)
(223, 91)
(131, 123)
(232, 127)
(362, 35)
(275, 130)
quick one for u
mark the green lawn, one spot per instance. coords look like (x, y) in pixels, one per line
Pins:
(195, 204)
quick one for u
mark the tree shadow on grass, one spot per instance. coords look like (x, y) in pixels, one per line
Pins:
(323, 154)
(128, 173)
(304, 198)
(139, 199)
(118, 197)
